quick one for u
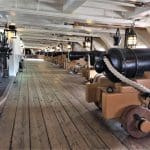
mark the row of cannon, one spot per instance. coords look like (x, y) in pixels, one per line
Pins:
(75, 62)
(5, 52)
(119, 83)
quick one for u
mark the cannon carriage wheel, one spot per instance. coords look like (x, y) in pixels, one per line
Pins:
(133, 118)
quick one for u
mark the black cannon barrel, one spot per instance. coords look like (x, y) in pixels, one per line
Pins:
(65, 53)
(130, 62)
(94, 55)
(55, 54)
(49, 54)
(75, 55)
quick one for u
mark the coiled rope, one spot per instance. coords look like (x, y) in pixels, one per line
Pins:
(117, 74)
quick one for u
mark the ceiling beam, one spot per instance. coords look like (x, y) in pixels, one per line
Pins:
(71, 5)
(77, 17)
(68, 28)
(43, 32)
(46, 32)
(106, 6)
(49, 39)
(29, 24)
(31, 45)
(139, 13)
(48, 1)
(116, 2)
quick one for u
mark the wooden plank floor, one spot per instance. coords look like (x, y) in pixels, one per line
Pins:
(46, 109)
(4, 84)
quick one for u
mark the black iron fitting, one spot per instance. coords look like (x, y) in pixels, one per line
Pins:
(145, 96)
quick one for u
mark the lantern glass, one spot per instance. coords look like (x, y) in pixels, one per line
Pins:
(132, 40)
(69, 46)
(88, 44)
(58, 48)
(53, 49)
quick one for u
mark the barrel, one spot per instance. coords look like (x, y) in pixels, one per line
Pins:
(129, 62)
(76, 55)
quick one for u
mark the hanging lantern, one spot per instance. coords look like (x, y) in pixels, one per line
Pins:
(87, 43)
(10, 31)
(58, 47)
(117, 38)
(131, 38)
(53, 49)
(69, 46)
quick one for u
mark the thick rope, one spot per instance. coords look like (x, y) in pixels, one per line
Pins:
(117, 74)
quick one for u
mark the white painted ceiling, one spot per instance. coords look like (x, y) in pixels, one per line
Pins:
(40, 23)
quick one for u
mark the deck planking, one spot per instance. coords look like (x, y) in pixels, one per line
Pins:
(46, 109)
(7, 118)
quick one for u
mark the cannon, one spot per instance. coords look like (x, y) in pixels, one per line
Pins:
(75, 61)
(88, 59)
(58, 58)
(76, 55)
(5, 52)
(122, 88)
